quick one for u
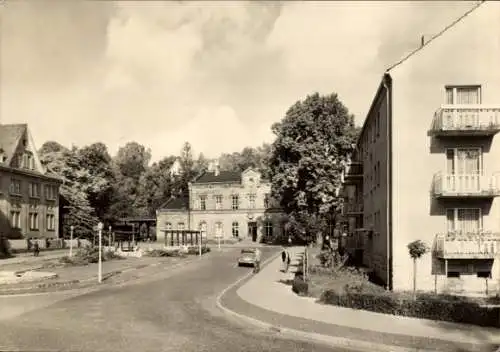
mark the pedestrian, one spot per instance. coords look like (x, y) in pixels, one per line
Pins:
(283, 259)
(257, 261)
(36, 249)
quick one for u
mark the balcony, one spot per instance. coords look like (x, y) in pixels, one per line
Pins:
(353, 171)
(466, 120)
(352, 208)
(465, 186)
(474, 245)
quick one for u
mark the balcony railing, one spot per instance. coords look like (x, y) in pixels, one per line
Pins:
(352, 171)
(353, 208)
(466, 185)
(463, 120)
(472, 245)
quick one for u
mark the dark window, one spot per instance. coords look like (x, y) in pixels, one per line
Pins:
(484, 274)
(453, 274)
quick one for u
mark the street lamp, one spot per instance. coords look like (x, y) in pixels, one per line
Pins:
(71, 229)
(100, 226)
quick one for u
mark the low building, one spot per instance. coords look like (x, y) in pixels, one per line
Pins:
(426, 165)
(223, 204)
(29, 197)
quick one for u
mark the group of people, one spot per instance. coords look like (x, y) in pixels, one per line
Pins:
(285, 258)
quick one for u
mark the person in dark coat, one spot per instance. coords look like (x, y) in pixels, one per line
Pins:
(36, 249)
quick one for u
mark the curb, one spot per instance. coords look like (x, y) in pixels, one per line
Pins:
(354, 345)
(86, 283)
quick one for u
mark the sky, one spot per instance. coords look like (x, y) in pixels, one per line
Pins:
(216, 74)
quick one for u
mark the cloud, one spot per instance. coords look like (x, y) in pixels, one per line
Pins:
(217, 74)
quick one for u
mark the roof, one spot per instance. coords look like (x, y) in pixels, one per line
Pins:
(26, 172)
(9, 138)
(180, 203)
(222, 177)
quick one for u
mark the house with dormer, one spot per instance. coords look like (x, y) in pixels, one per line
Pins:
(29, 196)
(226, 205)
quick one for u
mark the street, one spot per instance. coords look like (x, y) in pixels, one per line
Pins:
(167, 312)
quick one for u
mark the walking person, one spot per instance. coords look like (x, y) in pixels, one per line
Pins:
(257, 261)
(36, 249)
(287, 263)
(283, 259)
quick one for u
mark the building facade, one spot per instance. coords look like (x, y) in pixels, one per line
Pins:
(427, 164)
(224, 205)
(29, 197)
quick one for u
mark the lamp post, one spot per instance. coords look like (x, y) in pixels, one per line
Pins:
(71, 229)
(99, 268)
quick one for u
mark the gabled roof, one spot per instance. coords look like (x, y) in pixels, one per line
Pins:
(10, 136)
(222, 177)
(179, 203)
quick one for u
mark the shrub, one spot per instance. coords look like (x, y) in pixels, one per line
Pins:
(165, 253)
(300, 286)
(425, 306)
(194, 250)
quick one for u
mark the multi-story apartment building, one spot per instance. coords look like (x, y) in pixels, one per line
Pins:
(223, 204)
(29, 197)
(427, 163)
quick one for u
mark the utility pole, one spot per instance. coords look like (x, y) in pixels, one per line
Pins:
(99, 268)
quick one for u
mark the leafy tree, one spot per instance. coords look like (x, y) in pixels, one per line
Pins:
(249, 157)
(96, 159)
(66, 164)
(305, 162)
(155, 186)
(416, 249)
(188, 171)
(132, 160)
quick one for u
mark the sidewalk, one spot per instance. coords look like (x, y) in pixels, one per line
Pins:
(28, 259)
(279, 298)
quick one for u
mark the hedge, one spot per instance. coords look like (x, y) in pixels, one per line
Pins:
(425, 306)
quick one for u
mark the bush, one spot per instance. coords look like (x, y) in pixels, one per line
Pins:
(300, 286)
(425, 306)
(165, 253)
(195, 250)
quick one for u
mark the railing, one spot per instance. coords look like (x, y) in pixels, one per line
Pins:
(354, 168)
(467, 118)
(479, 244)
(466, 185)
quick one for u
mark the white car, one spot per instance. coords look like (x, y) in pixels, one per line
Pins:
(248, 257)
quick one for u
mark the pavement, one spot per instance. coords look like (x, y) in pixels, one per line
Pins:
(30, 259)
(282, 310)
(172, 311)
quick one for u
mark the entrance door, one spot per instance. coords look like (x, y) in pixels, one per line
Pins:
(252, 230)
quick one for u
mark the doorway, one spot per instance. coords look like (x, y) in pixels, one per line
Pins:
(252, 230)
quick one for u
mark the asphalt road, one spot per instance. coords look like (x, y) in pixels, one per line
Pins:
(167, 312)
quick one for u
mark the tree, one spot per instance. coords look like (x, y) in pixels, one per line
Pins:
(156, 186)
(188, 171)
(201, 164)
(130, 163)
(311, 142)
(77, 181)
(257, 158)
(96, 159)
(416, 249)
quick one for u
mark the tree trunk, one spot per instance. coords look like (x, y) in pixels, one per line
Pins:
(414, 278)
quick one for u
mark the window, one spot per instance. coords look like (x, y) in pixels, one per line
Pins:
(15, 186)
(484, 274)
(168, 226)
(203, 228)
(454, 274)
(266, 201)
(15, 218)
(268, 229)
(235, 201)
(235, 229)
(251, 198)
(463, 220)
(34, 190)
(51, 223)
(28, 161)
(463, 95)
(50, 192)
(33, 221)
(203, 202)
(219, 229)
(463, 161)
(180, 226)
(218, 202)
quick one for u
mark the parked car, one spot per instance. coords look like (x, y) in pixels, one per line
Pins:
(248, 257)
